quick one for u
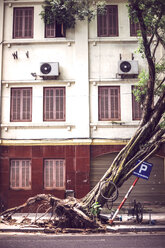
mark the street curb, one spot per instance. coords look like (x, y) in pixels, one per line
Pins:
(133, 228)
(26, 230)
(123, 228)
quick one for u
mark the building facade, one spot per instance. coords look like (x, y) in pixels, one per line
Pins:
(67, 106)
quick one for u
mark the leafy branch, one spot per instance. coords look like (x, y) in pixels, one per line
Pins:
(67, 12)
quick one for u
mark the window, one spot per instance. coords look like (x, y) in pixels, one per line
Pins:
(136, 108)
(20, 174)
(109, 103)
(54, 174)
(21, 104)
(54, 104)
(23, 23)
(54, 30)
(134, 28)
(108, 23)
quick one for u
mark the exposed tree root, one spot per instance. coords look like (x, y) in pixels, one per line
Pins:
(66, 213)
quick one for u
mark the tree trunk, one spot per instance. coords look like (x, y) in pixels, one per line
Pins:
(123, 166)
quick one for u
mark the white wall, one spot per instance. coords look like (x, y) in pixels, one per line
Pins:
(86, 61)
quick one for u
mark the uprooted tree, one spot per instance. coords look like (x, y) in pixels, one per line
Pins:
(150, 92)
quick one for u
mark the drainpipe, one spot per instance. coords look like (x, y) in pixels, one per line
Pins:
(1, 55)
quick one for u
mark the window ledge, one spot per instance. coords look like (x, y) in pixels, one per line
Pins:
(103, 81)
(114, 124)
(41, 41)
(45, 82)
(25, 1)
(112, 39)
(29, 125)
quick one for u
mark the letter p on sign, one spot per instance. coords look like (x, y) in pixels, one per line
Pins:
(143, 170)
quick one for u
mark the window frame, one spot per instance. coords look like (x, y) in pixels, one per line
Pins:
(56, 30)
(24, 23)
(50, 185)
(136, 109)
(134, 28)
(19, 177)
(22, 105)
(54, 111)
(104, 24)
(109, 99)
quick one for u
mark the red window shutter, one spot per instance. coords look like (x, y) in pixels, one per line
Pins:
(26, 107)
(21, 104)
(54, 104)
(46, 174)
(108, 23)
(50, 30)
(113, 20)
(20, 174)
(15, 104)
(26, 172)
(23, 22)
(54, 173)
(48, 104)
(114, 98)
(134, 27)
(28, 25)
(109, 103)
(136, 108)
(102, 25)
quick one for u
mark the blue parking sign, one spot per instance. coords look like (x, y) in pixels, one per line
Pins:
(143, 170)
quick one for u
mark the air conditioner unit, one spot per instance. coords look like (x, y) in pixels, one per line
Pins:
(128, 67)
(49, 69)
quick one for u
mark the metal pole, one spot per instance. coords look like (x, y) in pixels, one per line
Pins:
(123, 201)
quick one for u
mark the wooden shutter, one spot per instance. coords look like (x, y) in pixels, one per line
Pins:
(26, 104)
(108, 23)
(114, 103)
(50, 30)
(26, 174)
(21, 104)
(134, 27)
(109, 103)
(23, 23)
(136, 108)
(54, 104)
(102, 25)
(15, 104)
(54, 173)
(20, 174)
(113, 20)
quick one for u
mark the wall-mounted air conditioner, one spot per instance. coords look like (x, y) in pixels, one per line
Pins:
(49, 69)
(128, 67)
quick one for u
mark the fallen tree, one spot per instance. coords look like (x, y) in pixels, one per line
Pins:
(150, 92)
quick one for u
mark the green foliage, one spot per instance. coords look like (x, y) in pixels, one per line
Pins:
(150, 14)
(140, 48)
(162, 124)
(140, 89)
(68, 11)
(151, 11)
(95, 208)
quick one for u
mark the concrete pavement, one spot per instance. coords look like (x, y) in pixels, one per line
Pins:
(152, 222)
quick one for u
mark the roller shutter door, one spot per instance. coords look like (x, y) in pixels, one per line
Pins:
(150, 192)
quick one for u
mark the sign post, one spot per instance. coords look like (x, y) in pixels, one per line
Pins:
(143, 171)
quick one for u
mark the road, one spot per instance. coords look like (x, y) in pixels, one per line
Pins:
(82, 241)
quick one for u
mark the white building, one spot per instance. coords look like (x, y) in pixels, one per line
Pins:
(66, 128)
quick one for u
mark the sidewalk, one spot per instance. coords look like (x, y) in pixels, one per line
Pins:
(154, 222)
